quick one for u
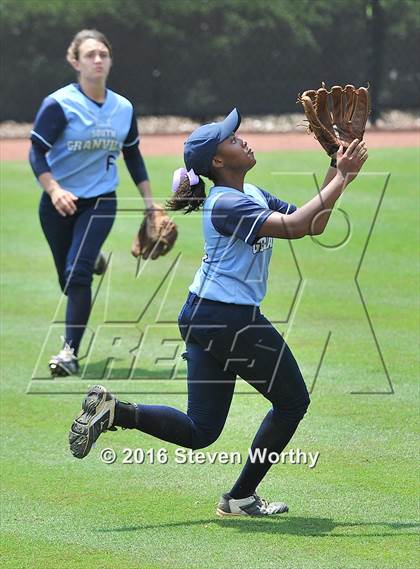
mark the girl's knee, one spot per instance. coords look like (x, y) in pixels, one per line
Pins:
(292, 411)
(202, 439)
(79, 274)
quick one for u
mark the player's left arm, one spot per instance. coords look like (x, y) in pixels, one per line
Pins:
(135, 163)
(157, 233)
(322, 220)
(313, 216)
(137, 169)
(329, 176)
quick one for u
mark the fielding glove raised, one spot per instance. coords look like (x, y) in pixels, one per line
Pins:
(336, 117)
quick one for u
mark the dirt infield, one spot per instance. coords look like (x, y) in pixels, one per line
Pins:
(172, 144)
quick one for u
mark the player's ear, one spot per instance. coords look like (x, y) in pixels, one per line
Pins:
(74, 63)
(217, 162)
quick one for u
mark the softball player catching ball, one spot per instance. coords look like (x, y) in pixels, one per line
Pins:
(78, 134)
(224, 331)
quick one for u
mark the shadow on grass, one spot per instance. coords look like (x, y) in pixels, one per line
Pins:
(100, 371)
(311, 527)
(154, 381)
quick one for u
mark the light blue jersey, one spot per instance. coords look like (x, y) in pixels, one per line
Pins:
(82, 158)
(235, 264)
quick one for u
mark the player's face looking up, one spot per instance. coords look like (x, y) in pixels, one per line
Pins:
(234, 154)
(94, 61)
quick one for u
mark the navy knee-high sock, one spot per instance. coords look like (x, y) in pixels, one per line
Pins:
(79, 300)
(272, 435)
(166, 423)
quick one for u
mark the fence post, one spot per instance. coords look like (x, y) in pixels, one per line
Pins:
(376, 27)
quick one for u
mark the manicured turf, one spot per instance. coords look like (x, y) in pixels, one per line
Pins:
(357, 508)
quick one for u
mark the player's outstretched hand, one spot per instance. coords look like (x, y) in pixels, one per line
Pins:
(64, 201)
(350, 162)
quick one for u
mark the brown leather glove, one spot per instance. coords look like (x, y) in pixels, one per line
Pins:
(336, 117)
(156, 236)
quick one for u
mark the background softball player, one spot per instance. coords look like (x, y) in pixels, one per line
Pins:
(78, 134)
(225, 333)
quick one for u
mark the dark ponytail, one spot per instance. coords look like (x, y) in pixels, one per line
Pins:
(187, 197)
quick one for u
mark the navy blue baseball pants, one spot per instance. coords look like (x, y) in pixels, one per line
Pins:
(75, 242)
(224, 341)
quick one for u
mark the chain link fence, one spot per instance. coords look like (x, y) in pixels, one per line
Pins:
(200, 58)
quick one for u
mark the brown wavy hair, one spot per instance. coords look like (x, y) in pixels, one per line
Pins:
(80, 37)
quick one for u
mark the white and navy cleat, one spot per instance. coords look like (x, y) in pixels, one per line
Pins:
(64, 363)
(97, 416)
(250, 506)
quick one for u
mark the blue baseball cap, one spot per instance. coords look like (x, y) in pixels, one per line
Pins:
(200, 147)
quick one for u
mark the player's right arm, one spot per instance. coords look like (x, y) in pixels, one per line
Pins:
(313, 216)
(62, 200)
(49, 124)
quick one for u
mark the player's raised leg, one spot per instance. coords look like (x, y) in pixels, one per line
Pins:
(210, 391)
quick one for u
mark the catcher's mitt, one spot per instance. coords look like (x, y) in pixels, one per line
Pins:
(336, 117)
(157, 234)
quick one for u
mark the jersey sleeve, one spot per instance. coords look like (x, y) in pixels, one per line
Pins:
(132, 137)
(132, 155)
(276, 204)
(135, 163)
(37, 159)
(50, 122)
(238, 216)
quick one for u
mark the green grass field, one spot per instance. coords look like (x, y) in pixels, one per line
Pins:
(358, 508)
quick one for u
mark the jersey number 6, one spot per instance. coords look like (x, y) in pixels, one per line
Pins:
(110, 161)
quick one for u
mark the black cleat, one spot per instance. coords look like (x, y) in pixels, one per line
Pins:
(251, 506)
(98, 410)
